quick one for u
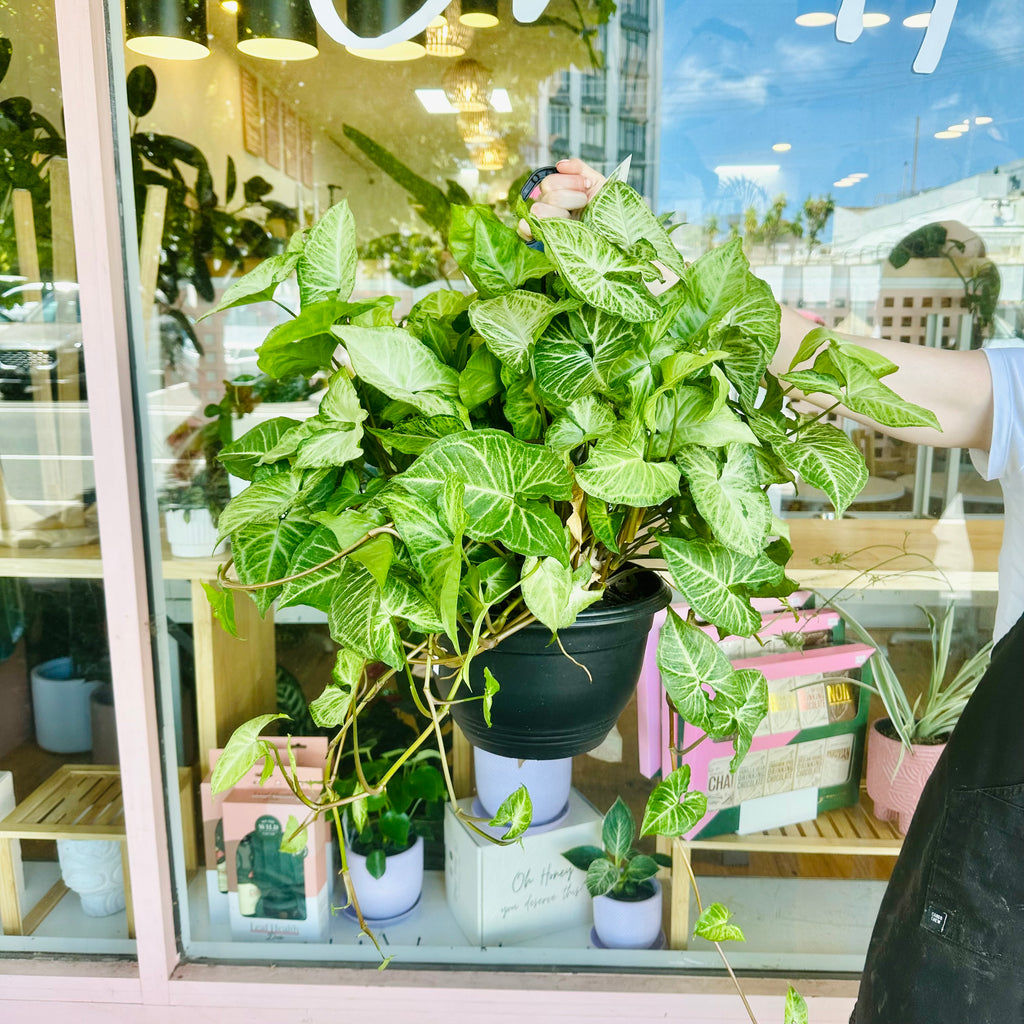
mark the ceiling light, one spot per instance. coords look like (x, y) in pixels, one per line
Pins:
(815, 13)
(983, 120)
(782, 147)
(479, 13)
(859, 176)
(370, 19)
(277, 29)
(476, 127)
(958, 128)
(843, 183)
(502, 104)
(434, 101)
(875, 20)
(408, 49)
(231, 6)
(467, 84)
(172, 29)
(451, 38)
(918, 20)
(948, 135)
(491, 157)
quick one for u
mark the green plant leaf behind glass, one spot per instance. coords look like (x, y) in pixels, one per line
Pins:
(713, 925)
(516, 811)
(672, 809)
(618, 831)
(241, 753)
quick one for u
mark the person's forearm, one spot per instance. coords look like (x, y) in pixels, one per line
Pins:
(956, 386)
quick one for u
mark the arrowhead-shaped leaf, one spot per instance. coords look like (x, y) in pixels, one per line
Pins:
(689, 660)
(262, 502)
(358, 620)
(826, 458)
(510, 324)
(241, 753)
(259, 284)
(617, 472)
(490, 254)
(586, 419)
(714, 926)
(602, 877)
(618, 830)
(263, 553)
(672, 809)
(565, 372)
(555, 593)
(327, 265)
(241, 457)
(740, 703)
(516, 811)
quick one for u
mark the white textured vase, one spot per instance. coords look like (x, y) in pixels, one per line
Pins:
(396, 891)
(195, 538)
(628, 924)
(60, 707)
(92, 868)
(547, 782)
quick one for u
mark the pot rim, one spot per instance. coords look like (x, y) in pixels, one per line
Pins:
(646, 899)
(890, 739)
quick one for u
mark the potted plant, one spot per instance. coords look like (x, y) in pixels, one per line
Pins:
(469, 502)
(386, 833)
(627, 896)
(904, 745)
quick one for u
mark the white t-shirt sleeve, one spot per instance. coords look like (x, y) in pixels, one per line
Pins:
(1006, 453)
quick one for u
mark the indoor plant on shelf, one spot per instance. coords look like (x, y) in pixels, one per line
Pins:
(627, 896)
(481, 477)
(904, 746)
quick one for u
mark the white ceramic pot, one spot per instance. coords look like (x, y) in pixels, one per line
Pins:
(196, 538)
(92, 868)
(396, 891)
(547, 782)
(60, 708)
(624, 924)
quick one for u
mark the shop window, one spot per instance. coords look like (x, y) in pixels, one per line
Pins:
(888, 301)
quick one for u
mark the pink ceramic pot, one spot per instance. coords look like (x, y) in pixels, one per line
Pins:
(896, 791)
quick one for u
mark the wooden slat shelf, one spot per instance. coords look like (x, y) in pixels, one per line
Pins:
(847, 831)
(86, 563)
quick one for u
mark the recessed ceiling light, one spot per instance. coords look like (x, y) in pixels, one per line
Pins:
(983, 120)
(875, 20)
(815, 19)
(843, 183)
(958, 128)
(859, 176)
(948, 135)
(782, 147)
(436, 102)
(918, 20)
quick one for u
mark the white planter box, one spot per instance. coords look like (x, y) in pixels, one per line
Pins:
(196, 538)
(511, 893)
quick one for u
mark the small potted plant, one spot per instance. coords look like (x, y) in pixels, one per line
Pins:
(904, 745)
(191, 509)
(627, 896)
(386, 832)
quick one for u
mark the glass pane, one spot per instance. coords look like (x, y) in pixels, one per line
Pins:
(728, 113)
(63, 885)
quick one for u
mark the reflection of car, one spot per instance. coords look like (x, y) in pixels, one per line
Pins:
(39, 323)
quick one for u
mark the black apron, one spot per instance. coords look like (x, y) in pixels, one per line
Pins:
(948, 944)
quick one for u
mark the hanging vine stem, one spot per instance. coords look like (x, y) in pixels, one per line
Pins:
(718, 945)
(237, 585)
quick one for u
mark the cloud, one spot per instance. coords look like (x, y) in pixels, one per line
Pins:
(1001, 27)
(692, 82)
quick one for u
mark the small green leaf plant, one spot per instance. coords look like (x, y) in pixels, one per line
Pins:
(615, 868)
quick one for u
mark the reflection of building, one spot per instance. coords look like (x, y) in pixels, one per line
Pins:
(606, 114)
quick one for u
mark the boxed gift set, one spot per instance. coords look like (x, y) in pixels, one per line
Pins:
(309, 752)
(517, 892)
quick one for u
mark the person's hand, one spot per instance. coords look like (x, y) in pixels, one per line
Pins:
(563, 194)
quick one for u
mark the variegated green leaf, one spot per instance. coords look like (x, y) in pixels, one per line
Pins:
(602, 877)
(516, 811)
(826, 458)
(295, 837)
(505, 482)
(713, 925)
(393, 361)
(222, 604)
(340, 403)
(263, 553)
(589, 266)
(740, 703)
(259, 284)
(728, 495)
(480, 379)
(618, 830)
(870, 397)
(358, 620)
(725, 427)
(317, 588)
(511, 323)
(241, 457)
(262, 502)
(619, 214)
(605, 524)
(555, 593)
(327, 265)
(241, 753)
(331, 708)
(403, 599)
(491, 688)
(608, 337)
(689, 660)
(522, 406)
(586, 419)
(796, 1008)
(617, 472)
(491, 254)
(672, 809)
(564, 370)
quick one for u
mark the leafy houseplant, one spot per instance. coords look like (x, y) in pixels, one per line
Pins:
(498, 460)
(904, 746)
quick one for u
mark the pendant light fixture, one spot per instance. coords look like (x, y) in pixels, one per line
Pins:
(369, 19)
(171, 29)
(479, 13)
(277, 29)
(451, 38)
(476, 127)
(467, 84)
(490, 157)
(815, 13)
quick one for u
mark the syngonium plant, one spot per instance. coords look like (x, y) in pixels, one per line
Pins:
(497, 458)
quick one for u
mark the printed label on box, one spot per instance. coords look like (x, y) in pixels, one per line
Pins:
(721, 791)
(838, 755)
(750, 776)
(783, 709)
(812, 701)
(780, 771)
(810, 764)
(842, 700)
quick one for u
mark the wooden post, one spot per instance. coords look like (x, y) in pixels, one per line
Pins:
(149, 258)
(25, 237)
(679, 919)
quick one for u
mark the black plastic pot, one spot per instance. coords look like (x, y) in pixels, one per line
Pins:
(547, 706)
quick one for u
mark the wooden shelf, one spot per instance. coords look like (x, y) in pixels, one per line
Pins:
(847, 831)
(87, 563)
